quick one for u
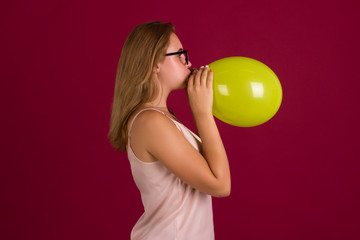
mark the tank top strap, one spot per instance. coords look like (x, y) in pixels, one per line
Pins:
(149, 109)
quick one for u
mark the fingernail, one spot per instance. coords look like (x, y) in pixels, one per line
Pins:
(202, 67)
(207, 66)
(210, 70)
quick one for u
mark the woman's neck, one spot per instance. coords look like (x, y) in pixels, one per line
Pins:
(159, 102)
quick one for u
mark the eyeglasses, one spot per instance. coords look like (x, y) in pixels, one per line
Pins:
(180, 53)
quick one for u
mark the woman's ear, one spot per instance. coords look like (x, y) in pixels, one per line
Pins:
(156, 69)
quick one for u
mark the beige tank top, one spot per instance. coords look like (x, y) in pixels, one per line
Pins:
(172, 208)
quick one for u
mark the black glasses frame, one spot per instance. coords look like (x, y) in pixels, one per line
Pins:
(179, 53)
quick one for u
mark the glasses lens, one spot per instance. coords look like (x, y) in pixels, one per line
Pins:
(181, 54)
(186, 57)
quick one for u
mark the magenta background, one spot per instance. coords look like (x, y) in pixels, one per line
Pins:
(295, 177)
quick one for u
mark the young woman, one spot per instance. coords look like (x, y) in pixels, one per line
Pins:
(176, 171)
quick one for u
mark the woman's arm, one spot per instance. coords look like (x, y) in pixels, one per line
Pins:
(200, 96)
(209, 173)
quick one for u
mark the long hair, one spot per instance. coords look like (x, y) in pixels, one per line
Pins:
(145, 46)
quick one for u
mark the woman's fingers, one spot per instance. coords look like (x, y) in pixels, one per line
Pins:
(204, 75)
(209, 82)
(190, 81)
(197, 76)
(200, 76)
(200, 95)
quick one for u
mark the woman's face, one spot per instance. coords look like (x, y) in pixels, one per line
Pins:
(173, 71)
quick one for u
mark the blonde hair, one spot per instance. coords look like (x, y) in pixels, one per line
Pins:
(145, 46)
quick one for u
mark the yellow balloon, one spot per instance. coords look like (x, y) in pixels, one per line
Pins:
(247, 93)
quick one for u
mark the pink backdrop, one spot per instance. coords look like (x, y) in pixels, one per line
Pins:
(295, 177)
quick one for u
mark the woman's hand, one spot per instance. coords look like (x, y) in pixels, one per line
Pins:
(200, 91)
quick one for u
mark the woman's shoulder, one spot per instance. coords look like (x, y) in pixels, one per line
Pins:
(149, 118)
(149, 128)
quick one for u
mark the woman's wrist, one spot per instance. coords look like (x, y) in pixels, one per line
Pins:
(203, 116)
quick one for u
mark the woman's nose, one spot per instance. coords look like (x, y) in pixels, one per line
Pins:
(189, 64)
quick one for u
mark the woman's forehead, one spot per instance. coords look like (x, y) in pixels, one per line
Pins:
(174, 43)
